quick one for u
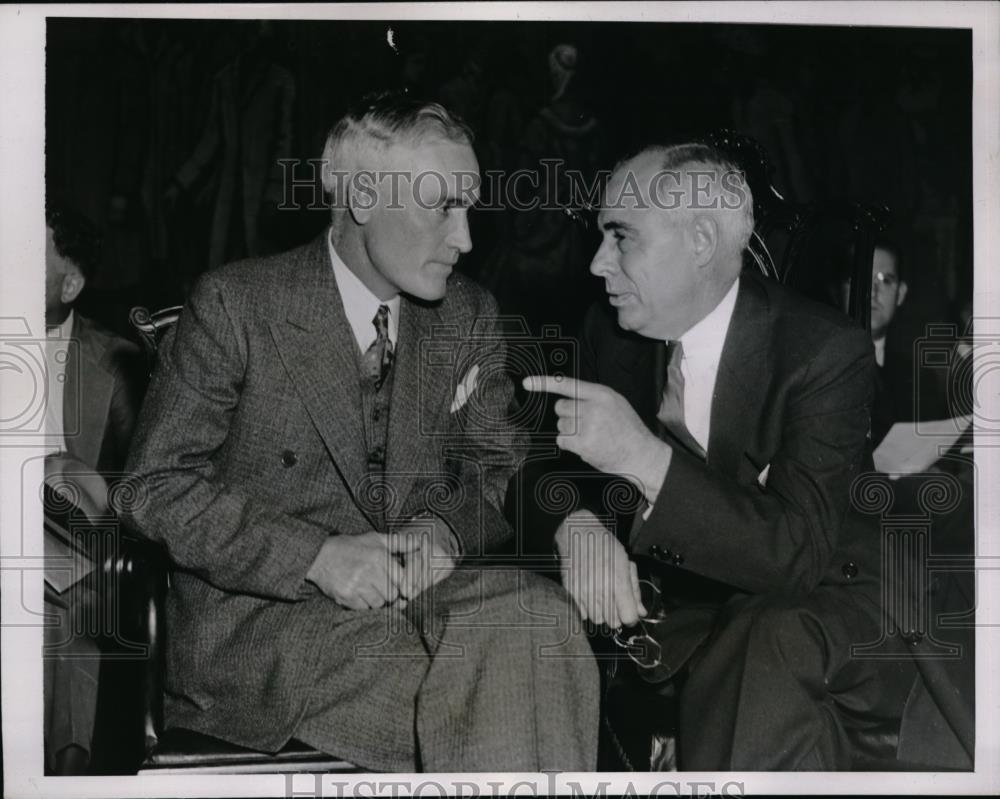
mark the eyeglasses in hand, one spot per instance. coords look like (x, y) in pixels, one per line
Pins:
(641, 647)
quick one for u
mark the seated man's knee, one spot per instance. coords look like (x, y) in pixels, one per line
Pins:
(789, 632)
(539, 594)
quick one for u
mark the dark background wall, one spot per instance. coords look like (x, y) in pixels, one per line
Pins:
(876, 115)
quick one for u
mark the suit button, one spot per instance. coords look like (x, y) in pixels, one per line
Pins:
(289, 458)
(656, 552)
(849, 570)
(678, 559)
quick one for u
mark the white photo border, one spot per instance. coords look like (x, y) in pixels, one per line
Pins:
(22, 127)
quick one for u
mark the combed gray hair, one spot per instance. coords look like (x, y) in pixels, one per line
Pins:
(375, 124)
(727, 186)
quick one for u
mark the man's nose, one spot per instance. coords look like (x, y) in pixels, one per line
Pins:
(603, 264)
(459, 237)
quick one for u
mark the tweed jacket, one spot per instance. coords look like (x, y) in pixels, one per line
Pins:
(250, 450)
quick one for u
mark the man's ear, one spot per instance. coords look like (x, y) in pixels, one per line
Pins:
(705, 238)
(72, 284)
(901, 294)
(362, 196)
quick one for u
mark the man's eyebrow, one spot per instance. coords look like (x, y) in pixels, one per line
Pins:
(619, 226)
(463, 201)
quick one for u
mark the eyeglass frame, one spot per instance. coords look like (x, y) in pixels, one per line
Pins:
(888, 280)
(642, 640)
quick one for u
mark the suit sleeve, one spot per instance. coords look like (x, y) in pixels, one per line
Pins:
(779, 538)
(210, 527)
(593, 487)
(487, 447)
(125, 399)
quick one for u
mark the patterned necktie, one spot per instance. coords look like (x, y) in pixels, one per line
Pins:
(671, 413)
(377, 360)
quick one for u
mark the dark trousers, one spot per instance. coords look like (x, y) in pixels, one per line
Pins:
(776, 687)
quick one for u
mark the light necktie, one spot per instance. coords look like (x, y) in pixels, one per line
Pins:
(377, 360)
(671, 413)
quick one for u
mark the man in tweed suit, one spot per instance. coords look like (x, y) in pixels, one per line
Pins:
(325, 490)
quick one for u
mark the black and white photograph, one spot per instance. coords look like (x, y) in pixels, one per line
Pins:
(500, 399)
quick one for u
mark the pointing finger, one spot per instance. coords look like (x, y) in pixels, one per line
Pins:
(563, 386)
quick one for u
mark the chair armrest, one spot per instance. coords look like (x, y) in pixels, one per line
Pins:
(136, 576)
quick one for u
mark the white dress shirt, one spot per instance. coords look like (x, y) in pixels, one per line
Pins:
(879, 351)
(700, 366)
(702, 352)
(360, 304)
(57, 341)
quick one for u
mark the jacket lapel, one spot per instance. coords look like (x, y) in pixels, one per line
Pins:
(742, 379)
(86, 395)
(318, 350)
(419, 398)
(641, 366)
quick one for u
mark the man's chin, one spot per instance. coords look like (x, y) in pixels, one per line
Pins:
(431, 292)
(626, 317)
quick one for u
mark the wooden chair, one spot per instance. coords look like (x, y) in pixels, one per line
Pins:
(806, 246)
(139, 571)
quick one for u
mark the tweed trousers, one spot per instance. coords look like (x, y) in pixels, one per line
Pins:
(489, 670)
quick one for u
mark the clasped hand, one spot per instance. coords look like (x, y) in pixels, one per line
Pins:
(374, 569)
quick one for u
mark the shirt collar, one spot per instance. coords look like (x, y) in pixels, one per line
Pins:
(703, 343)
(63, 330)
(360, 304)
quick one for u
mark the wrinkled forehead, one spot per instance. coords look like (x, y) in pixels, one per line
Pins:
(436, 170)
(430, 151)
(630, 185)
(644, 184)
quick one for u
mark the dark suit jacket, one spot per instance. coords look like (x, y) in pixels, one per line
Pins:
(251, 447)
(100, 396)
(792, 396)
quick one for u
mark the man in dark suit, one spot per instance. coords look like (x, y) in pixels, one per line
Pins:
(739, 412)
(898, 396)
(91, 405)
(93, 412)
(326, 445)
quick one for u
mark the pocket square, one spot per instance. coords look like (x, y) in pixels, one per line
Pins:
(465, 389)
(762, 477)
